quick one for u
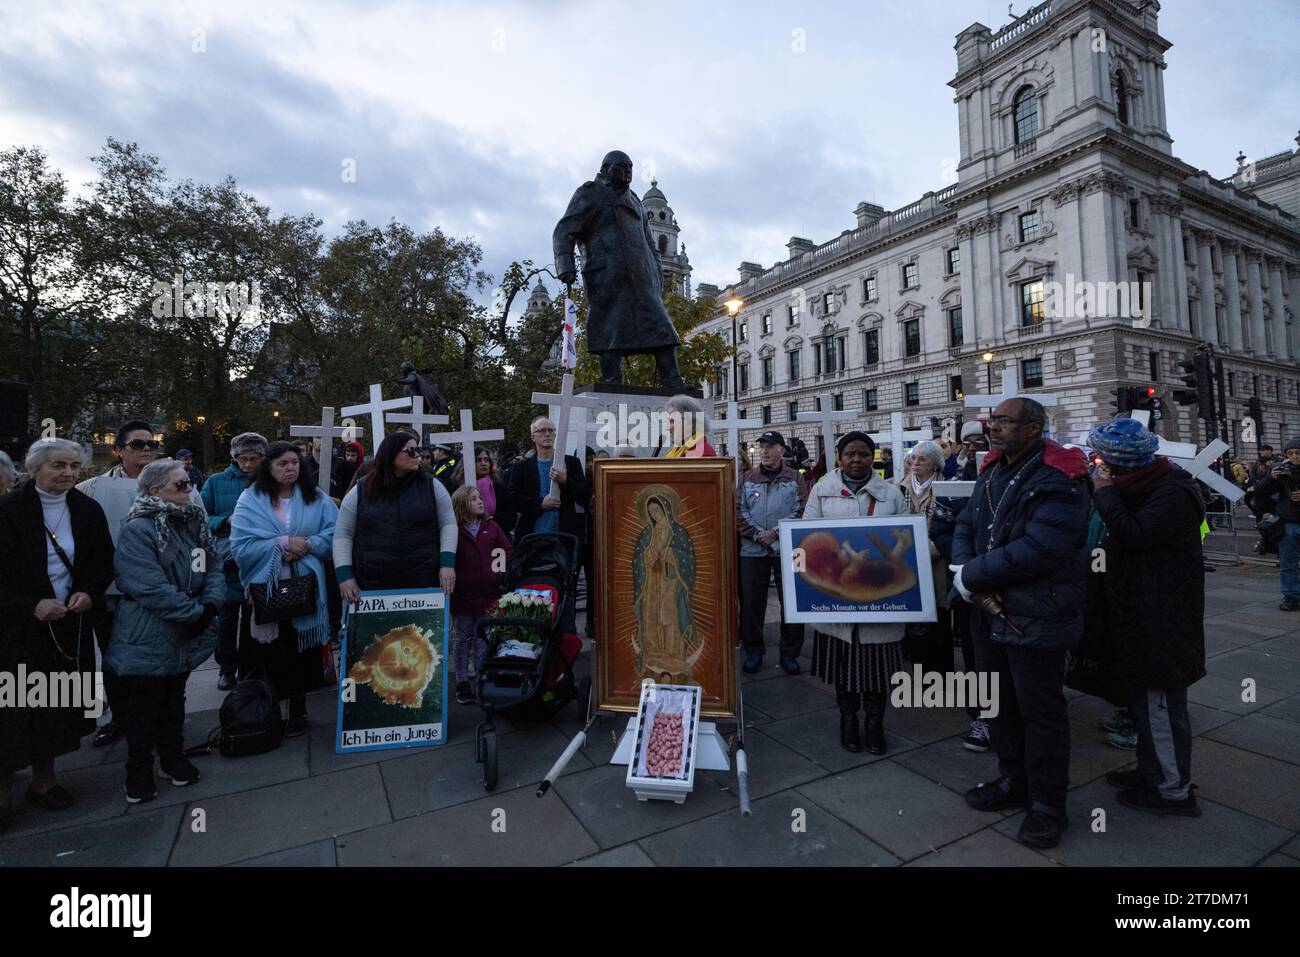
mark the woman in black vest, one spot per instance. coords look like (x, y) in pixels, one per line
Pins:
(396, 527)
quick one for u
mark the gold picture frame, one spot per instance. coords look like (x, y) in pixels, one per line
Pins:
(665, 596)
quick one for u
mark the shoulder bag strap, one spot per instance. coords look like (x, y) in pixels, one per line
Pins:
(58, 550)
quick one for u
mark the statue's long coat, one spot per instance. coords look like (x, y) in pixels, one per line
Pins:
(620, 269)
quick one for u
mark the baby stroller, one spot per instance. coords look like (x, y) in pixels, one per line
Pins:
(513, 682)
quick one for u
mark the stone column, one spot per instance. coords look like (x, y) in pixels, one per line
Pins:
(1293, 334)
(1166, 208)
(1205, 279)
(1232, 297)
(1275, 280)
(1255, 289)
(1180, 274)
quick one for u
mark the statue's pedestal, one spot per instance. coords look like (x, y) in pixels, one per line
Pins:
(620, 416)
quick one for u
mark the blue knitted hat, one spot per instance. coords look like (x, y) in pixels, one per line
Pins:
(1124, 442)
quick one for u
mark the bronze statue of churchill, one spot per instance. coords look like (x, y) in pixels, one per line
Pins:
(621, 273)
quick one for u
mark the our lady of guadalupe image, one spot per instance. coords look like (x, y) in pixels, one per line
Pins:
(666, 641)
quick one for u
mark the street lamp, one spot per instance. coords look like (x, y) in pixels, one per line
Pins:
(733, 306)
(988, 367)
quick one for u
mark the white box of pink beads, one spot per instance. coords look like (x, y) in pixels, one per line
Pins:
(665, 738)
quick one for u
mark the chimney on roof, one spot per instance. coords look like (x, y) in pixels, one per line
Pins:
(798, 246)
(749, 270)
(868, 214)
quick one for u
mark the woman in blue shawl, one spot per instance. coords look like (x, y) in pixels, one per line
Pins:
(281, 523)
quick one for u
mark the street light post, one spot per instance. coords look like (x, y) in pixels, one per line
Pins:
(733, 306)
(988, 368)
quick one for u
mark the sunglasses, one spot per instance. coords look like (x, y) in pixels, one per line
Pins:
(412, 451)
(141, 444)
(184, 485)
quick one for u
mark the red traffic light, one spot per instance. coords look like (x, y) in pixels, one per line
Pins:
(1150, 392)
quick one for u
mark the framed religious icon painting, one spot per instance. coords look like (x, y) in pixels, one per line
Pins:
(857, 570)
(665, 595)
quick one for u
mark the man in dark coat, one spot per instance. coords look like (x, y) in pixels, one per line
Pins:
(1154, 586)
(1022, 538)
(621, 272)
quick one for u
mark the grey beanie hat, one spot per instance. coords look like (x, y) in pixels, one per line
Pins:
(1291, 443)
(247, 442)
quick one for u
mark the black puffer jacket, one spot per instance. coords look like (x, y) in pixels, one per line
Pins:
(1154, 582)
(396, 544)
(1038, 558)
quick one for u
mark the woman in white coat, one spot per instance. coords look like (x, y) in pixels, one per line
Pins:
(859, 659)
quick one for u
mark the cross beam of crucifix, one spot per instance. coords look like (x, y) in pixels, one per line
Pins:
(376, 408)
(327, 431)
(731, 426)
(827, 417)
(898, 437)
(466, 438)
(416, 418)
(1010, 390)
(566, 400)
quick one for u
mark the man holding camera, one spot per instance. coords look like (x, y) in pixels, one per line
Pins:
(1284, 481)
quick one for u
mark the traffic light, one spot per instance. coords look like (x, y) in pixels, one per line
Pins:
(1255, 409)
(1120, 401)
(1200, 386)
(1143, 398)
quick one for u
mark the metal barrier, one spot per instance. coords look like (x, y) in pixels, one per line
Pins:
(1222, 545)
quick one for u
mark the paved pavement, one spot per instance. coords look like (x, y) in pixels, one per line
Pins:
(306, 805)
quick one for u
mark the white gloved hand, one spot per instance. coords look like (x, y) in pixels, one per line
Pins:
(957, 583)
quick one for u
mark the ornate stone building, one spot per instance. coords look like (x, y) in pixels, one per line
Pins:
(1067, 186)
(665, 232)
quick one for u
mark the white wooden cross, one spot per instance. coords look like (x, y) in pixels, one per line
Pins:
(896, 437)
(827, 418)
(1199, 469)
(416, 417)
(566, 400)
(376, 407)
(1170, 450)
(327, 432)
(466, 438)
(731, 426)
(1010, 390)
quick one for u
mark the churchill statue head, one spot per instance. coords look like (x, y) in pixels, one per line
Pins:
(616, 170)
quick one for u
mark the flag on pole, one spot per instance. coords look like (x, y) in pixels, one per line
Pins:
(569, 357)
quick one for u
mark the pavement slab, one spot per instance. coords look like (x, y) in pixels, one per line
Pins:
(144, 840)
(784, 831)
(817, 737)
(987, 848)
(1264, 735)
(1275, 672)
(1252, 783)
(513, 829)
(897, 808)
(1221, 837)
(316, 854)
(254, 823)
(629, 855)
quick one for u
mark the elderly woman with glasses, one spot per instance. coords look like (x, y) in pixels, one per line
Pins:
(55, 565)
(172, 586)
(396, 526)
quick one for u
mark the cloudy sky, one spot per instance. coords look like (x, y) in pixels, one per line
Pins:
(761, 120)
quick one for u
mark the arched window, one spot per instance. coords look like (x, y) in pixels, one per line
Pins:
(1026, 115)
(663, 245)
(1121, 99)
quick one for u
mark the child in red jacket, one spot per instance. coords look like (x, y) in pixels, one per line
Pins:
(482, 556)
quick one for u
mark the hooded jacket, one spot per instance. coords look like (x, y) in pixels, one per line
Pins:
(1153, 586)
(1036, 557)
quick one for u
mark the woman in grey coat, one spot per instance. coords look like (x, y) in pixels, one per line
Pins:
(172, 587)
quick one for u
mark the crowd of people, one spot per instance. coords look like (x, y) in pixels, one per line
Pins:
(169, 567)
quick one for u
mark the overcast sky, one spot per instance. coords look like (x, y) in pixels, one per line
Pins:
(482, 117)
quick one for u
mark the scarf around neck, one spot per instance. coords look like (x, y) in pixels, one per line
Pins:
(162, 511)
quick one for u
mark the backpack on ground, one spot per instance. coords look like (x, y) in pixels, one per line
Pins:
(250, 718)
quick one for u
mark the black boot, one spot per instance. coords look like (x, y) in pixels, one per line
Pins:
(849, 702)
(874, 705)
(611, 367)
(666, 365)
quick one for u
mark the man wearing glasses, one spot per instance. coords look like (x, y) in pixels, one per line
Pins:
(115, 491)
(549, 493)
(1022, 539)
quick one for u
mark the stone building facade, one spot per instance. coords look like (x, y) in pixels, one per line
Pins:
(1067, 188)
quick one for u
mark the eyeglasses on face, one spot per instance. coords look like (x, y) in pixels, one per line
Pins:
(182, 485)
(412, 451)
(1004, 420)
(141, 444)
(543, 431)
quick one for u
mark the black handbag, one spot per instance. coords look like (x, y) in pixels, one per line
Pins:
(287, 598)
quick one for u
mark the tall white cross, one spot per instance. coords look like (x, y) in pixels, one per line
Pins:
(1199, 468)
(466, 438)
(1010, 390)
(1170, 450)
(327, 432)
(897, 438)
(376, 407)
(827, 418)
(731, 426)
(566, 400)
(416, 417)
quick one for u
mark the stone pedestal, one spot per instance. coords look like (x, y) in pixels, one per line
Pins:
(633, 415)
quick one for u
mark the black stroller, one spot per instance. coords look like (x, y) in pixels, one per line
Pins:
(545, 562)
